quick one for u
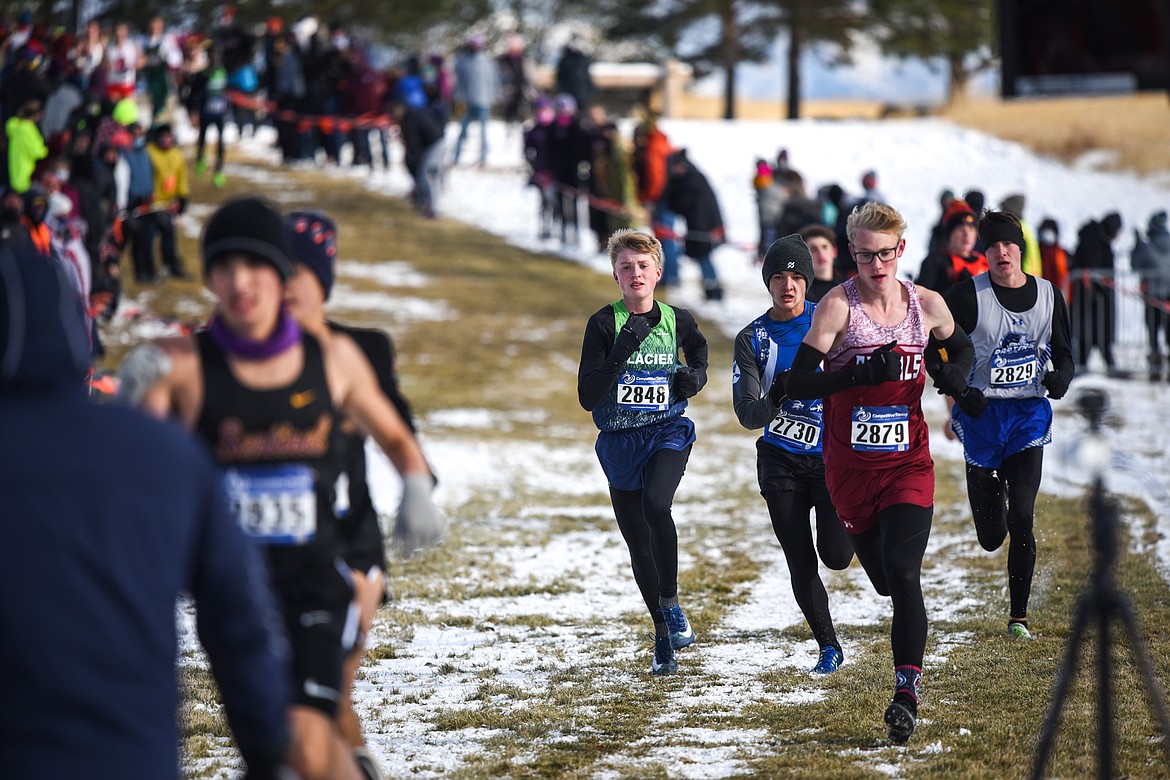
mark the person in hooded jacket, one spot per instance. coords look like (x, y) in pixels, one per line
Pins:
(1151, 258)
(88, 670)
(690, 195)
(569, 149)
(957, 260)
(1093, 298)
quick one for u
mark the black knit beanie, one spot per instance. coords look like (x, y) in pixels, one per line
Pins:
(789, 253)
(314, 243)
(250, 225)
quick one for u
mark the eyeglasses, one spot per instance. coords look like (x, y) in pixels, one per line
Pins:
(885, 255)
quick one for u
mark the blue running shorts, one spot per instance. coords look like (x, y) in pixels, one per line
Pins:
(623, 454)
(1008, 426)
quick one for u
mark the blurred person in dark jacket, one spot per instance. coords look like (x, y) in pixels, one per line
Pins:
(1151, 258)
(690, 195)
(1093, 297)
(108, 539)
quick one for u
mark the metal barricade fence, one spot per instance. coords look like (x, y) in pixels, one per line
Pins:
(1116, 317)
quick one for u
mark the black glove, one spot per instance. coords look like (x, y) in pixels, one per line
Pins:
(882, 366)
(182, 206)
(949, 379)
(972, 402)
(630, 337)
(779, 389)
(686, 382)
(1056, 384)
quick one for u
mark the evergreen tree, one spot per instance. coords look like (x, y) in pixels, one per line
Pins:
(960, 33)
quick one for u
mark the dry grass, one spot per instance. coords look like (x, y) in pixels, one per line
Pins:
(1135, 127)
(984, 702)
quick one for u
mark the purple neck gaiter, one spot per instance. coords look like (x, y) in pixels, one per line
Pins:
(286, 333)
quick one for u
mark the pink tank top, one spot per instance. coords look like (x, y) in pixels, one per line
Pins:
(878, 426)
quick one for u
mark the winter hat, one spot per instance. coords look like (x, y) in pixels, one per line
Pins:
(763, 178)
(1111, 224)
(1157, 223)
(1048, 232)
(958, 213)
(314, 243)
(974, 199)
(992, 232)
(1014, 205)
(42, 330)
(565, 103)
(789, 253)
(125, 112)
(250, 225)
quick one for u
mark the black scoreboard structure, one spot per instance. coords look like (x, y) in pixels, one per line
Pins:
(1083, 47)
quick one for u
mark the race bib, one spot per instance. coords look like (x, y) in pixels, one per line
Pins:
(880, 429)
(645, 391)
(275, 504)
(216, 104)
(1013, 370)
(797, 430)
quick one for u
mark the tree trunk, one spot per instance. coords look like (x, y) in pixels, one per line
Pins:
(730, 56)
(794, 44)
(957, 78)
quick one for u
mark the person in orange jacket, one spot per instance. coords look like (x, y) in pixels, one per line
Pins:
(1053, 257)
(651, 148)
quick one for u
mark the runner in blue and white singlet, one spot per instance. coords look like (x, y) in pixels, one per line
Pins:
(789, 465)
(1023, 356)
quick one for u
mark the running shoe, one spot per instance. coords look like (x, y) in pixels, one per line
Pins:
(664, 660)
(200, 167)
(901, 716)
(1018, 631)
(830, 659)
(681, 633)
(366, 765)
(217, 179)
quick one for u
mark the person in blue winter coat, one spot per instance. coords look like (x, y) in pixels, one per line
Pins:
(789, 464)
(108, 516)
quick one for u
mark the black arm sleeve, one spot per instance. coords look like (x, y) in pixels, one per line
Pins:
(596, 374)
(960, 351)
(693, 344)
(1062, 359)
(805, 382)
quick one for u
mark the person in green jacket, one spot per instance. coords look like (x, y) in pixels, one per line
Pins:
(25, 145)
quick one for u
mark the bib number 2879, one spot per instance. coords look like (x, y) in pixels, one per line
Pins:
(880, 429)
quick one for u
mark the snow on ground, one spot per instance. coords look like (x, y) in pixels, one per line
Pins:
(915, 160)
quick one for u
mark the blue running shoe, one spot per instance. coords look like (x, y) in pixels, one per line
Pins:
(664, 660)
(681, 633)
(830, 659)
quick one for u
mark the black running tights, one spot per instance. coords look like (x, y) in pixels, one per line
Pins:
(1003, 501)
(790, 522)
(891, 554)
(644, 518)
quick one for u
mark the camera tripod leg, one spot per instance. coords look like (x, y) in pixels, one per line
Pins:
(1104, 692)
(1060, 690)
(1146, 666)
